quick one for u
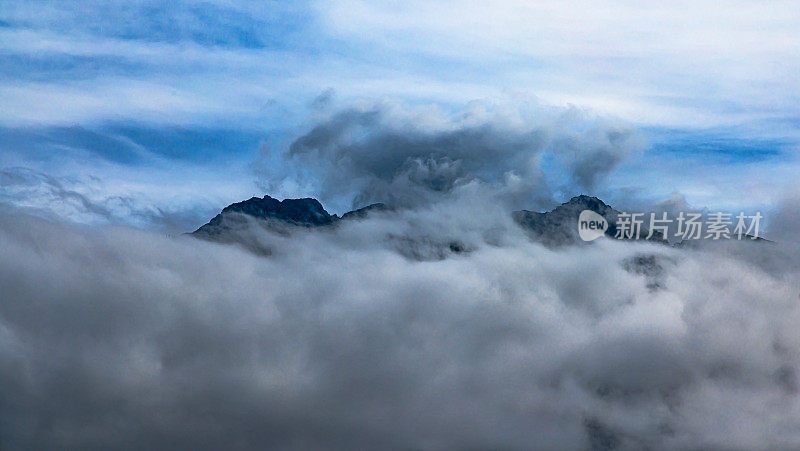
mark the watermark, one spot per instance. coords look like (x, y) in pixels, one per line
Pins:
(591, 225)
(685, 226)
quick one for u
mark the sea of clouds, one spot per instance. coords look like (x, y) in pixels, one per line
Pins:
(378, 334)
(115, 337)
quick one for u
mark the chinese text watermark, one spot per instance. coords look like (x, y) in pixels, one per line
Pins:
(685, 226)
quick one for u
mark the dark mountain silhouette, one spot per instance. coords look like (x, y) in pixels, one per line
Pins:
(276, 215)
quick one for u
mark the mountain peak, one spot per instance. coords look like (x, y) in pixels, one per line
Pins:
(587, 203)
(304, 212)
(364, 211)
(559, 226)
(556, 227)
(583, 198)
(277, 215)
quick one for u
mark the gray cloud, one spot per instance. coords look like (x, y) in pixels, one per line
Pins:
(119, 338)
(784, 224)
(592, 154)
(385, 152)
(323, 100)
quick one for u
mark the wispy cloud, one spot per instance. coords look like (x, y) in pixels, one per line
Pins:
(733, 62)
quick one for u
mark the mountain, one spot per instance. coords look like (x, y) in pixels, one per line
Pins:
(276, 215)
(363, 211)
(553, 228)
(239, 223)
(559, 226)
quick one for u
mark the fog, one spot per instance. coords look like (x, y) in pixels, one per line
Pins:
(344, 338)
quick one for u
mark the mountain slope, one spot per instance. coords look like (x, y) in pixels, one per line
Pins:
(559, 226)
(276, 215)
(553, 228)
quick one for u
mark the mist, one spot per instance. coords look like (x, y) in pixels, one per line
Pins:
(343, 338)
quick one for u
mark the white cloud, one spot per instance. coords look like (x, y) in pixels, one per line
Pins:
(116, 337)
(697, 65)
(650, 62)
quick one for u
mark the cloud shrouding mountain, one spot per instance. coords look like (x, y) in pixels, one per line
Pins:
(387, 152)
(119, 338)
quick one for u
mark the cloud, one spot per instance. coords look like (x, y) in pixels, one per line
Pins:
(386, 152)
(84, 201)
(592, 147)
(323, 100)
(113, 337)
(213, 23)
(640, 61)
(784, 223)
(163, 62)
(166, 178)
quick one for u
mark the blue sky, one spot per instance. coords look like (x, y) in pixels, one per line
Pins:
(157, 115)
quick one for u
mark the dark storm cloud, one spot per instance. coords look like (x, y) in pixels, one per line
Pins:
(385, 152)
(115, 338)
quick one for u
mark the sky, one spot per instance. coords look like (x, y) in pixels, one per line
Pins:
(158, 114)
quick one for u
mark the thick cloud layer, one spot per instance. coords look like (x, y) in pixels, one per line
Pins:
(120, 338)
(386, 152)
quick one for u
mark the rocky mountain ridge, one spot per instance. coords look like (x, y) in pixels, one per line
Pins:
(557, 227)
(277, 215)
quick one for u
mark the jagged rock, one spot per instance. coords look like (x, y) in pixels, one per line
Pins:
(554, 228)
(364, 211)
(560, 226)
(275, 215)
